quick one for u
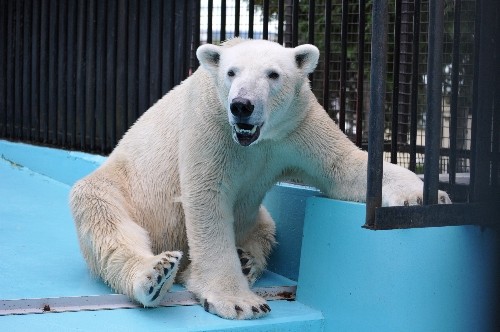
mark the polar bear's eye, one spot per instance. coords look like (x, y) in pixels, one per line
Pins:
(273, 75)
(230, 73)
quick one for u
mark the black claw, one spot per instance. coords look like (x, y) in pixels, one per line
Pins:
(172, 264)
(165, 271)
(237, 308)
(254, 309)
(151, 289)
(244, 261)
(158, 280)
(240, 252)
(263, 308)
(205, 305)
(267, 307)
(157, 293)
(246, 271)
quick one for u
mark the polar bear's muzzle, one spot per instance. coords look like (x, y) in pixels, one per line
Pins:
(245, 131)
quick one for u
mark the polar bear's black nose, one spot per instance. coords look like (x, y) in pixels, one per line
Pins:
(241, 108)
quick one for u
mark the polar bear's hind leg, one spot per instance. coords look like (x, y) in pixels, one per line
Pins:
(115, 247)
(255, 246)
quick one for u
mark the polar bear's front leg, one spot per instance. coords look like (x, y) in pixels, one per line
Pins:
(214, 274)
(337, 167)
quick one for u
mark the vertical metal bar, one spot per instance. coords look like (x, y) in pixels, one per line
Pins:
(71, 91)
(361, 73)
(44, 74)
(121, 68)
(196, 33)
(495, 177)
(62, 75)
(10, 89)
(18, 72)
(182, 10)
(35, 70)
(223, 20)
(110, 109)
(265, 21)
(485, 96)
(155, 50)
(27, 44)
(132, 61)
(434, 100)
(343, 63)
(395, 82)
(53, 60)
(251, 13)
(311, 22)
(3, 65)
(475, 81)
(281, 20)
(295, 23)
(237, 18)
(210, 15)
(377, 107)
(452, 167)
(100, 81)
(414, 86)
(326, 76)
(168, 46)
(86, 72)
(144, 44)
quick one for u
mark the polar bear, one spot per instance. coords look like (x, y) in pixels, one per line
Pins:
(190, 175)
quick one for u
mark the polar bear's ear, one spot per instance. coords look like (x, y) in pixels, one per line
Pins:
(306, 57)
(209, 56)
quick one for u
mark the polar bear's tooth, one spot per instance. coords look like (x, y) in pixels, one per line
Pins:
(245, 131)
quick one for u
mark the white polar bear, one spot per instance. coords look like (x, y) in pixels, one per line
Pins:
(191, 173)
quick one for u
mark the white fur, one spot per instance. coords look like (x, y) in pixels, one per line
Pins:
(178, 181)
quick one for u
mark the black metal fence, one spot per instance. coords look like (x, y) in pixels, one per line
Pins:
(77, 74)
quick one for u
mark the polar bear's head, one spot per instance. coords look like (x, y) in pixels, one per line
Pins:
(259, 83)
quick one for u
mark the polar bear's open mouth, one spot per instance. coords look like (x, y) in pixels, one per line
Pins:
(245, 134)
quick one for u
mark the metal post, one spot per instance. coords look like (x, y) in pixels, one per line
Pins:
(434, 99)
(377, 107)
(452, 168)
(361, 73)
(414, 86)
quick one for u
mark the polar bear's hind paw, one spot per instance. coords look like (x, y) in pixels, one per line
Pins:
(159, 279)
(249, 266)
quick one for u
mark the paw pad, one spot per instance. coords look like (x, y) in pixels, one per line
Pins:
(163, 272)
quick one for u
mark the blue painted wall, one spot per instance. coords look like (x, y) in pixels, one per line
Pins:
(432, 279)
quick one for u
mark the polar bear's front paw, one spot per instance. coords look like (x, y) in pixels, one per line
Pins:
(157, 278)
(245, 306)
(413, 198)
(249, 266)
